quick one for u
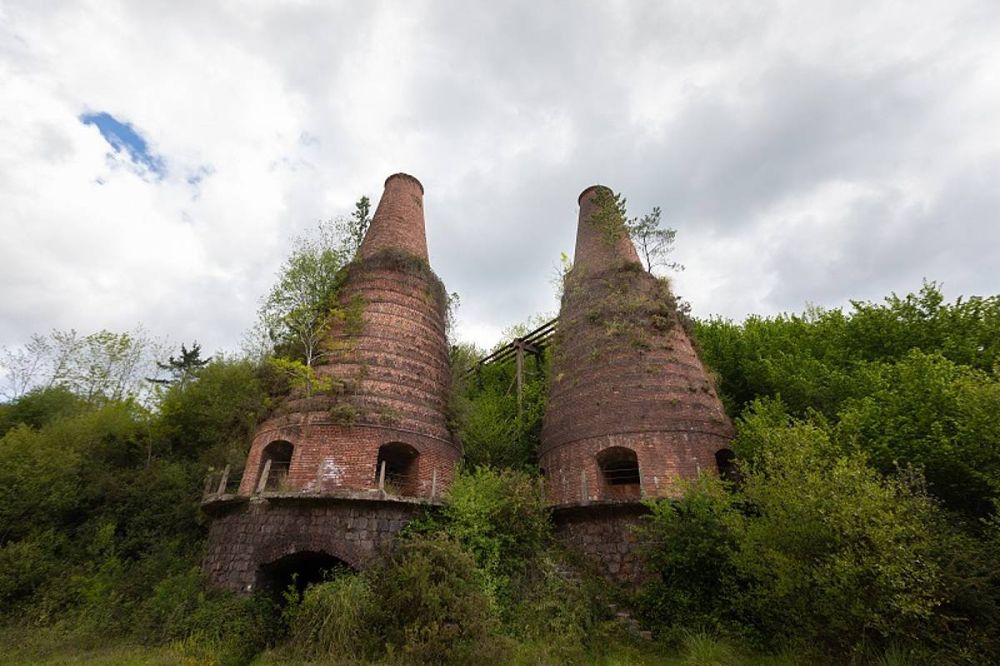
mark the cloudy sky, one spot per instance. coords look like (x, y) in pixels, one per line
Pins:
(157, 158)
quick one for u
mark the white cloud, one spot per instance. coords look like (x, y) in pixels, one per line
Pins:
(813, 152)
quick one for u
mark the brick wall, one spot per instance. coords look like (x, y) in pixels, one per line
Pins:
(398, 221)
(391, 370)
(624, 374)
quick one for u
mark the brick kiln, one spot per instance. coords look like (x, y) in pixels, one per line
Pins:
(332, 476)
(631, 409)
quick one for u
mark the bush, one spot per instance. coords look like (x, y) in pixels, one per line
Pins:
(500, 517)
(430, 604)
(817, 547)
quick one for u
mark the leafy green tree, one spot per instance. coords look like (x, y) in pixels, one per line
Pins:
(925, 410)
(500, 517)
(431, 608)
(816, 547)
(212, 419)
(296, 313)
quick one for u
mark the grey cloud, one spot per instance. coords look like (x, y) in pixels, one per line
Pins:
(728, 118)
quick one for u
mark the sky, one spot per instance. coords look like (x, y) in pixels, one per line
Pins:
(158, 158)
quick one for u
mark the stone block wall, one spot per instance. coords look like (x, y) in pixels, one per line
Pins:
(605, 535)
(245, 536)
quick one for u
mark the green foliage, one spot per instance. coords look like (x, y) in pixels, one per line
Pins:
(610, 215)
(568, 616)
(652, 242)
(485, 416)
(352, 229)
(295, 314)
(911, 382)
(500, 517)
(100, 522)
(212, 419)
(182, 368)
(40, 407)
(431, 605)
(332, 620)
(817, 546)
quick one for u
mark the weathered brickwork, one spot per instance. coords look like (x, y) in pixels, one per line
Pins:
(347, 464)
(605, 534)
(388, 367)
(625, 378)
(631, 411)
(246, 536)
(328, 457)
(398, 222)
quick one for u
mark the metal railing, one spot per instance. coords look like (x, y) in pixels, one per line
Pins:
(222, 483)
(614, 484)
(274, 479)
(401, 484)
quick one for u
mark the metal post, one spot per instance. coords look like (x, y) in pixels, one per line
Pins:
(434, 483)
(263, 477)
(223, 481)
(381, 477)
(584, 495)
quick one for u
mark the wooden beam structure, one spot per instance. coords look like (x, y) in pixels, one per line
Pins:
(533, 343)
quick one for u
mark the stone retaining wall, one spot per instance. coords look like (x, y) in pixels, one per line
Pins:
(248, 534)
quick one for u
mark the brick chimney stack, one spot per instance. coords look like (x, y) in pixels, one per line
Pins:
(385, 362)
(398, 222)
(601, 243)
(631, 410)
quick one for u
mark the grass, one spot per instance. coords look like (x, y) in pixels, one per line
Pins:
(52, 646)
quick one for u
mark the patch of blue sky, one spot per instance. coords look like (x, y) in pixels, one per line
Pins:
(122, 136)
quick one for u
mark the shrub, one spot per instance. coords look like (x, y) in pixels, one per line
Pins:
(430, 605)
(817, 547)
(500, 517)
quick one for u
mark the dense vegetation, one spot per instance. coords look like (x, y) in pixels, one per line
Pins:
(863, 526)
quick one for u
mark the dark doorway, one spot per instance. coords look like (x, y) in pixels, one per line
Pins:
(725, 462)
(300, 570)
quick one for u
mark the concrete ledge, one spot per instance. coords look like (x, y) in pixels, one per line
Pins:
(229, 500)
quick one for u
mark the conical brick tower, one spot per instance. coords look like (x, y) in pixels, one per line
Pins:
(371, 441)
(631, 409)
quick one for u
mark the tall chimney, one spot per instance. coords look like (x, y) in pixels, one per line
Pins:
(631, 410)
(398, 222)
(384, 372)
(602, 240)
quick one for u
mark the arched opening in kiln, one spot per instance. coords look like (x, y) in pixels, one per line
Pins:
(725, 462)
(396, 469)
(279, 454)
(619, 473)
(299, 571)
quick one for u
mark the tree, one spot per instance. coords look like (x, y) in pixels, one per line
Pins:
(296, 313)
(23, 366)
(183, 368)
(99, 366)
(353, 229)
(653, 243)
